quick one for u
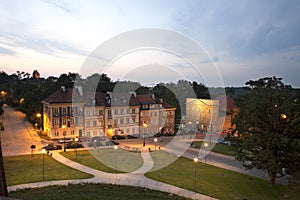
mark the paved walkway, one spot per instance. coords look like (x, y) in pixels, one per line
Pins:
(136, 178)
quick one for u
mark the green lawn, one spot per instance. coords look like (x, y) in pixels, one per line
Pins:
(92, 191)
(220, 183)
(107, 160)
(218, 148)
(27, 169)
(161, 159)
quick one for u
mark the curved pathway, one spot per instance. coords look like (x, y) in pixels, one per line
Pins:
(136, 178)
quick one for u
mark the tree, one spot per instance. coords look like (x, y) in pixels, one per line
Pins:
(3, 186)
(267, 133)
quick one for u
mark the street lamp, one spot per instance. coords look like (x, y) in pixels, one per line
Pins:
(116, 158)
(64, 134)
(195, 173)
(76, 140)
(145, 126)
(205, 145)
(95, 144)
(43, 165)
(38, 116)
(155, 140)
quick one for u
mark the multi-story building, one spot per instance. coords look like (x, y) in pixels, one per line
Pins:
(202, 114)
(70, 113)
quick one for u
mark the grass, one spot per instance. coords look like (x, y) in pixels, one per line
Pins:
(220, 183)
(108, 160)
(27, 169)
(218, 148)
(92, 191)
(161, 159)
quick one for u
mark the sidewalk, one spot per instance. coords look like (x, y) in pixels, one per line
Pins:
(136, 178)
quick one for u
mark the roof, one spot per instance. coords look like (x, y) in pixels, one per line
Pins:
(146, 99)
(123, 99)
(226, 102)
(64, 95)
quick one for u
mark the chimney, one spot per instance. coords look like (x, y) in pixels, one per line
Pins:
(153, 96)
(63, 88)
(134, 93)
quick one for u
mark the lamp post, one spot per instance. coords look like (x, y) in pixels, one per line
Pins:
(43, 164)
(95, 144)
(116, 158)
(205, 145)
(76, 140)
(195, 173)
(145, 126)
(38, 116)
(64, 134)
(155, 140)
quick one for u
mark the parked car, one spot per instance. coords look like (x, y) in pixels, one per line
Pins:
(117, 137)
(74, 145)
(222, 141)
(49, 147)
(65, 140)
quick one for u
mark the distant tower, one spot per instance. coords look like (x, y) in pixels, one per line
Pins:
(36, 74)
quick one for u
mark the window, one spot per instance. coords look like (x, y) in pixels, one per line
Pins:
(121, 121)
(127, 121)
(127, 130)
(72, 132)
(133, 130)
(116, 111)
(109, 112)
(56, 133)
(100, 123)
(87, 113)
(94, 123)
(88, 133)
(64, 121)
(115, 122)
(127, 111)
(64, 110)
(133, 110)
(94, 133)
(100, 112)
(88, 123)
(55, 111)
(122, 111)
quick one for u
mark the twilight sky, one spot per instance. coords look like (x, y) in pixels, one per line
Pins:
(245, 39)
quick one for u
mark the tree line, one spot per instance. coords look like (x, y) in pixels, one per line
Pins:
(25, 92)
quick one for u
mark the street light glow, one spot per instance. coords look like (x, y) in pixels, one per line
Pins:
(283, 116)
(38, 115)
(206, 144)
(195, 160)
(144, 125)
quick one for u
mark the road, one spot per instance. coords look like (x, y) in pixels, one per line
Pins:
(18, 134)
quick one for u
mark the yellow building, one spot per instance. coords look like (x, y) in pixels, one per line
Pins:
(70, 113)
(202, 114)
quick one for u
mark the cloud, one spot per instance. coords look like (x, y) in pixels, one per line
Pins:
(42, 45)
(6, 51)
(61, 5)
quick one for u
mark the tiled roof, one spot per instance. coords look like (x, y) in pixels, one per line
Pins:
(226, 99)
(123, 99)
(145, 99)
(64, 96)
